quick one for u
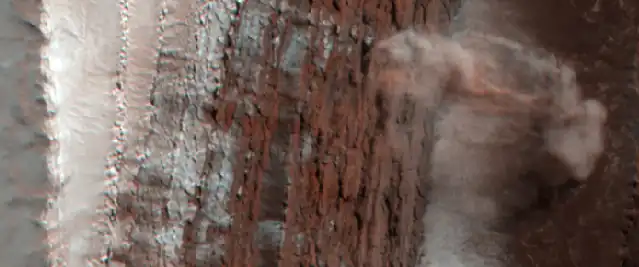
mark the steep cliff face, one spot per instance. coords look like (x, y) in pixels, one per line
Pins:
(247, 134)
(301, 170)
(297, 169)
(266, 148)
(275, 158)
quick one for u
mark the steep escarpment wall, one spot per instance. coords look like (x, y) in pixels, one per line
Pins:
(243, 133)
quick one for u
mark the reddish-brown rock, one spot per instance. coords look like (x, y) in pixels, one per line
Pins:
(315, 181)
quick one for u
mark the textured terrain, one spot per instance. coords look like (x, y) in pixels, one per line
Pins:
(250, 137)
(298, 170)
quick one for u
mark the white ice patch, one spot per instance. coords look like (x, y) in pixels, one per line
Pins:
(79, 61)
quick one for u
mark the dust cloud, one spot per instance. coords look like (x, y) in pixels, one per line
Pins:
(493, 111)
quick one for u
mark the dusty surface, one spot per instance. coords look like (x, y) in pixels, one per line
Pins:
(23, 144)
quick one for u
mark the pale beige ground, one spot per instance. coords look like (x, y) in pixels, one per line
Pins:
(82, 59)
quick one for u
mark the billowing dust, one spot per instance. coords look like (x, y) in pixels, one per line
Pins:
(494, 111)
